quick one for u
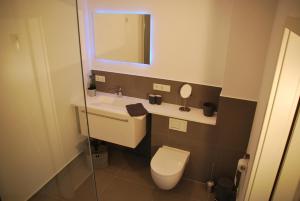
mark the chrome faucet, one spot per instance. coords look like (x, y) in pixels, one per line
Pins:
(119, 92)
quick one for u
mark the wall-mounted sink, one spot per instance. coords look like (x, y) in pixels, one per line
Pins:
(111, 101)
(109, 120)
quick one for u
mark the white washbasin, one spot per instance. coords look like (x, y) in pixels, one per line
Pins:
(112, 101)
(109, 120)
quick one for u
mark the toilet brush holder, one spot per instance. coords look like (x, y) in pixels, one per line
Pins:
(210, 186)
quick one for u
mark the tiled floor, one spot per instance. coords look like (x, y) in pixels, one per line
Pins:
(128, 178)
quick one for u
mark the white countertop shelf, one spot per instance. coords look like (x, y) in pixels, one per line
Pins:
(172, 110)
(165, 109)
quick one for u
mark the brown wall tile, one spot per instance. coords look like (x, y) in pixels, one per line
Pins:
(221, 145)
(234, 122)
(198, 139)
(138, 86)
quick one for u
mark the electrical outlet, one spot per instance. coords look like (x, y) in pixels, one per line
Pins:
(157, 87)
(166, 88)
(100, 78)
(178, 124)
(161, 87)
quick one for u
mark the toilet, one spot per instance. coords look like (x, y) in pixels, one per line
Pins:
(167, 166)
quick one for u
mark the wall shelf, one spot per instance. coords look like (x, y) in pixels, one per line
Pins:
(165, 109)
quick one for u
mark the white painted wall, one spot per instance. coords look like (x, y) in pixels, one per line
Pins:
(25, 155)
(39, 135)
(189, 38)
(64, 68)
(218, 43)
(251, 26)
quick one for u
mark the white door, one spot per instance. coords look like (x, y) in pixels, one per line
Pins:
(287, 187)
(277, 122)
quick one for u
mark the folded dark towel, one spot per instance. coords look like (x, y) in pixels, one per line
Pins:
(136, 109)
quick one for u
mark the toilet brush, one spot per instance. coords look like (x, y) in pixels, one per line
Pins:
(210, 183)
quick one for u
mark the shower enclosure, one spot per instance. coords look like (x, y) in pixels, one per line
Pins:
(43, 156)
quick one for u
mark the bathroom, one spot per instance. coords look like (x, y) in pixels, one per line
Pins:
(94, 109)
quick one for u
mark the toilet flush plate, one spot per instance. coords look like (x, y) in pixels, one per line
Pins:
(178, 124)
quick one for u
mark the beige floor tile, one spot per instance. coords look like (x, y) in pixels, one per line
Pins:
(51, 189)
(128, 178)
(116, 161)
(43, 197)
(138, 175)
(103, 179)
(85, 192)
(135, 169)
(122, 190)
(186, 190)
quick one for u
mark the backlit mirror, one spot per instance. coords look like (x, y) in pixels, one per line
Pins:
(122, 37)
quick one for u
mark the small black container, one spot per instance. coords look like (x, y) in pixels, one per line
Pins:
(224, 190)
(208, 109)
(158, 99)
(152, 99)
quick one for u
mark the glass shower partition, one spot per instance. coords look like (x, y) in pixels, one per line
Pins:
(43, 153)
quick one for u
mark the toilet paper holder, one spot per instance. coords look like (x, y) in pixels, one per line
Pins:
(243, 162)
(241, 167)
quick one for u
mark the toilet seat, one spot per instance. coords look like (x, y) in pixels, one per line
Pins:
(168, 161)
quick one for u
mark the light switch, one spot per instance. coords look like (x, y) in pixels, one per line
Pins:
(178, 124)
(100, 78)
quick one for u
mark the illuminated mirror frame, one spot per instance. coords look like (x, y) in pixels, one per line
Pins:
(107, 61)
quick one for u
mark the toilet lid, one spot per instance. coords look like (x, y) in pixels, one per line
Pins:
(168, 161)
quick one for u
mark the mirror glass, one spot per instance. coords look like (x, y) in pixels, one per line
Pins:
(186, 91)
(122, 37)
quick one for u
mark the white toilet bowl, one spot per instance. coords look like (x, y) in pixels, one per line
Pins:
(167, 166)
